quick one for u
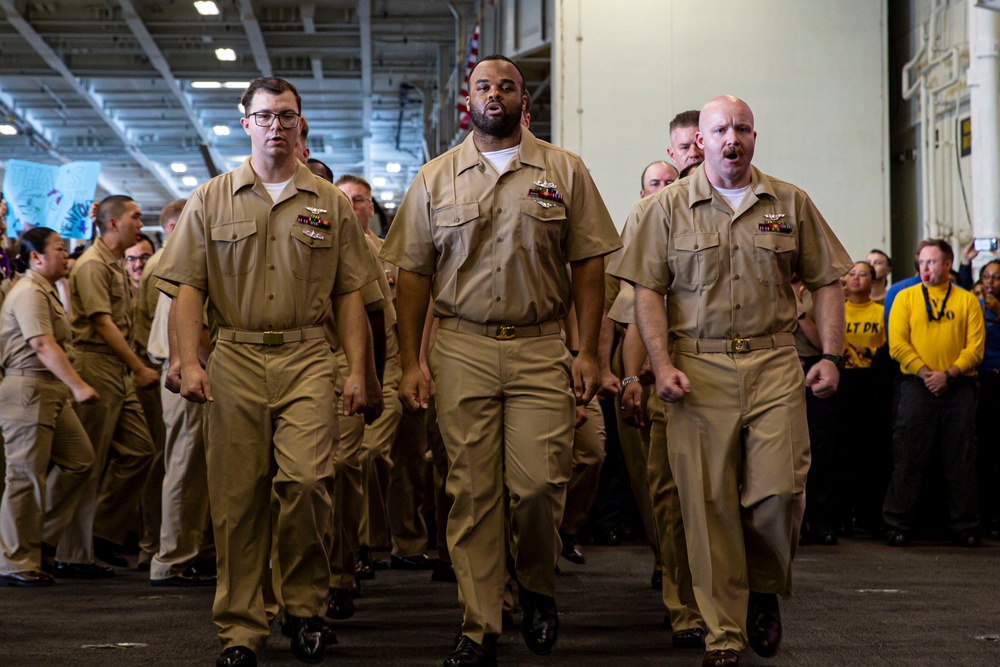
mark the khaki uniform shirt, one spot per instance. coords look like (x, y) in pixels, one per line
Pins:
(391, 271)
(31, 309)
(498, 244)
(728, 273)
(389, 311)
(146, 298)
(262, 266)
(98, 284)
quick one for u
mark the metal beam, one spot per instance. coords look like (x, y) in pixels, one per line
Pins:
(213, 160)
(89, 95)
(365, 26)
(256, 38)
(309, 25)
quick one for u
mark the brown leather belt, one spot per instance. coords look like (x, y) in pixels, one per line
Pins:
(271, 337)
(30, 372)
(96, 348)
(499, 331)
(732, 345)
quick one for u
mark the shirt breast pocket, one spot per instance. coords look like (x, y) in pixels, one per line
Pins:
(452, 227)
(311, 252)
(541, 226)
(772, 255)
(236, 243)
(697, 257)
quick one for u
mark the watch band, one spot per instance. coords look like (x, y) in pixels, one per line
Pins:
(836, 359)
(629, 380)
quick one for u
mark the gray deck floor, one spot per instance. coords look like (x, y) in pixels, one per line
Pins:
(859, 603)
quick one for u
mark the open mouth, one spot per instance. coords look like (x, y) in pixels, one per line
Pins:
(494, 108)
(732, 153)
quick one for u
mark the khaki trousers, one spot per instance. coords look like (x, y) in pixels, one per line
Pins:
(39, 428)
(376, 461)
(270, 427)
(152, 409)
(678, 590)
(737, 446)
(346, 490)
(123, 453)
(408, 486)
(588, 456)
(505, 409)
(635, 450)
(184, 500)
(439, 462)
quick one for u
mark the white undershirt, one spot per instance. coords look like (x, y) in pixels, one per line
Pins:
(500, 159)
(275, 189)
(734, 197)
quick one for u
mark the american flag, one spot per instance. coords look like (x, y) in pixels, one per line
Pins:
(471, 57)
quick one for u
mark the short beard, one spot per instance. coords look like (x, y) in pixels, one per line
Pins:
(500, 127)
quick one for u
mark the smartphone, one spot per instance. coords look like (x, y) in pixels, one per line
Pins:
(984, 245)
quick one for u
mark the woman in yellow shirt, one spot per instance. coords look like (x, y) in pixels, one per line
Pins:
(866, 395)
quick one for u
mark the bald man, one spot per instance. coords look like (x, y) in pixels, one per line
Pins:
(720, 247)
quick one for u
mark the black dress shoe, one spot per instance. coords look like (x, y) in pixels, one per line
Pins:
(656, 581)
(308, 640)
(108, 552)
(897, 538)
(726, 658)
(690, 638)
(764, 624)
(237, 656)
(571, 550)
(328, 632)
(539, 621)
(418, 562)
(826, 537)
(340, 605)
(443, 572)
(206, 567)
(363, 568)
(468, 653)
(26, 579)
(608, 537)
(82, 571)
(968, 538)
(184, 580)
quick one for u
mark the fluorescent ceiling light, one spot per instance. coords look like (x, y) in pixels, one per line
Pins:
(207, 8)
(221, 130)
(225, 54)
(206, 84)
(8, 130)
(389, 205)
(178, 167)
(386, 196)
(378, 182)
(189, 181)
(238, 85)
(393, 167)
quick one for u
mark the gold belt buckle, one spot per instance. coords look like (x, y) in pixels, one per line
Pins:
(505, 331)
(740, 345)
(274, 337)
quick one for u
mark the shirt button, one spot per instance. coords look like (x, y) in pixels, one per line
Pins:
(498, 269)
(499, 239)
(271, 296)
(273, 237)
(695, 246)
(458, 220)
(738, 306)
(736, 247)
(271, 267)
(234, 237)
(499, 210)
(736, 277)
(498, 298)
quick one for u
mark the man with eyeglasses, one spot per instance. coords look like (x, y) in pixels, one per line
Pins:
(267, 245)
(936, 333)
(136, 258)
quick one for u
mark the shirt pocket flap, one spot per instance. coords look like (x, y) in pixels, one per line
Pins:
(456, 214)
(696, 241)
(774, 242)
(534, 208)
(234, 231)
(314, 238)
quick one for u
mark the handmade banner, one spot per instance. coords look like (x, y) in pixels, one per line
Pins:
(56, 196)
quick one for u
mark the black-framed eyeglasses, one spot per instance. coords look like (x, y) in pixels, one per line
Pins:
(359, 200)
(132, 259)
(287, 119)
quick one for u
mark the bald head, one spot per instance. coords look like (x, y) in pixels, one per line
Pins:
(727, 137)
(657, 176)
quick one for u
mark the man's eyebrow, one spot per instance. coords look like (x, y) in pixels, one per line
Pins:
(501, 81)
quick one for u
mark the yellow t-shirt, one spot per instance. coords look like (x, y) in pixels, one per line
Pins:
(956, 338)
(864, 333)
